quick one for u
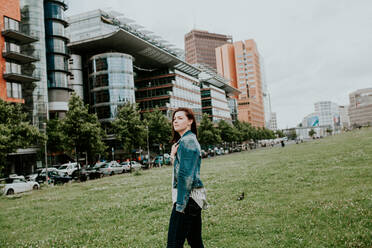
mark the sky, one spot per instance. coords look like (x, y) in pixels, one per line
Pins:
(313, 50)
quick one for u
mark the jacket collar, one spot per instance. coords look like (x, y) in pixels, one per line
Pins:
(186, 133)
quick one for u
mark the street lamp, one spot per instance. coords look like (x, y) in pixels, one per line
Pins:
(46, 153)
(148, 147)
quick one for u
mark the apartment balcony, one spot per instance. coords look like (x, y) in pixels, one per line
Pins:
(21, 38)
(18, 77)
(19, 57)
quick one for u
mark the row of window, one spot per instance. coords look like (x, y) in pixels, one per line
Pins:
(113, 63)
(118, 79)
(113, 95)
(153, 92)
(154, 82)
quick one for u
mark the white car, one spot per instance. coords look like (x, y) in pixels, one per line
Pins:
(111, 168)
(135, 165)
(126, 165)
(68, 169)
(17, 184)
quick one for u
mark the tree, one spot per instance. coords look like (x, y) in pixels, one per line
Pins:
(227, 132)
(329, 131)
(15, 131)
(292, 134)
(129, 128)
(55, 135)
(207, 133)
(82, 130)
(160, 129)
(279, 133)
(312, 132)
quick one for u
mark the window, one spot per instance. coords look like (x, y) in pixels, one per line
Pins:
(10, 23)
(14, 90)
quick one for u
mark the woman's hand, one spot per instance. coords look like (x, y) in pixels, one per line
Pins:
(174, 150)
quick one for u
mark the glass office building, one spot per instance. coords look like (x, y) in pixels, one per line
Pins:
(32, 23)
(111, 83)
(57, 56)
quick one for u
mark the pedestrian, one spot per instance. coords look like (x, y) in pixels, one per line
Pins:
(282, 142)
(188, 193)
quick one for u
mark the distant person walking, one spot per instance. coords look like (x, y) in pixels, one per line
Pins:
(188, 193)
(282, 142)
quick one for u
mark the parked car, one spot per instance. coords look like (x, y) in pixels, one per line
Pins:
(93, 171)
(54, 177)
(17, 184)
(111, 168)
(204, 154)
(68, 168)
(31, 177)
(126, 166)
(135, 165)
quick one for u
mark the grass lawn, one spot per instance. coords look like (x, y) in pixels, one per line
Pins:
(315, 194)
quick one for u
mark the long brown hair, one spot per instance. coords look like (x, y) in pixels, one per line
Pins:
(190, 115)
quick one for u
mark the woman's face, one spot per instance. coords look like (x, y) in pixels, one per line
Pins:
(181, 123)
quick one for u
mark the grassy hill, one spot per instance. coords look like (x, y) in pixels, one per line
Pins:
(315, 194)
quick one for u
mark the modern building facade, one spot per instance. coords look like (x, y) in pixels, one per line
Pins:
(273, 123)
(215, 95)
(32, 23)
(151, 73)
(200, 47)
(13, 79)
(57, 57)
(329, 114)
(360, 108)
(344, 116)
(240, 63)
(111, 83)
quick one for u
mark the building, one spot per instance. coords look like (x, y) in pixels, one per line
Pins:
(216, 94)
(57, 57)
(273, 123)
(329, 114)
(344, 116)
(240, 63)
(151, 72)
(32, 23)
(200, 47)
(360, 108)
(45, 20)
(16, 75)
(14, 81)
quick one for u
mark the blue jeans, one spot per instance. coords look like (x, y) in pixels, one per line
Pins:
(186, 225)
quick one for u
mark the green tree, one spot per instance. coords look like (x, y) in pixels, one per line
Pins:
(55, 135)
(15, 131)
(279, 133)
(227, 132)
(312, 132)
(160, 129)
(329, 131)
(130, 130)
(207, 133)
(292, 134)
(81, 130)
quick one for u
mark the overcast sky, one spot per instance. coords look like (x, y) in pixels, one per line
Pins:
(313, 50)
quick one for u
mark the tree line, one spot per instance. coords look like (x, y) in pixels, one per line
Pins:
(80, 132)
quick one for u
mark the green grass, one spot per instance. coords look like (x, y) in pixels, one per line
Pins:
(315, 194)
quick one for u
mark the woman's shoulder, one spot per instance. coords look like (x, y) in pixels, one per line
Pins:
(190, 142)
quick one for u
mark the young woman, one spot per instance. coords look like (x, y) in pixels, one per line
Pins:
(188, 193)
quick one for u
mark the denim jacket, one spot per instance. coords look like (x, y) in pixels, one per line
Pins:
(186, 170)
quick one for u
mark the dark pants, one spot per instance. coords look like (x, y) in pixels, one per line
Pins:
(186, 225)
